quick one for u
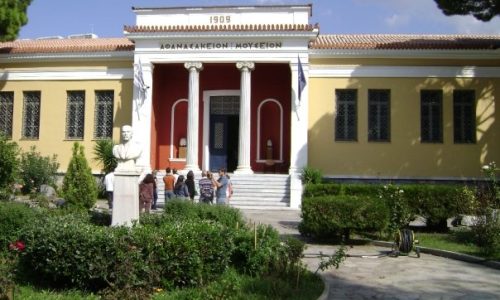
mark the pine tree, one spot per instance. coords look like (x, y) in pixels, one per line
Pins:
(12, 18)
(79, 186)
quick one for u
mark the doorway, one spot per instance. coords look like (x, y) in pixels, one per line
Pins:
(224, 132)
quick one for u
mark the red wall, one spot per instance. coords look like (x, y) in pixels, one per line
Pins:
(170, 83)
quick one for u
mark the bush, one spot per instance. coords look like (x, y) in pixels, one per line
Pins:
(310, 175)
(337, 216)
(37, 170)
(322, 189)
(14, 217)
(436, 203)
(400, 213)
(487, 207)
(9, 163)
(79, 186)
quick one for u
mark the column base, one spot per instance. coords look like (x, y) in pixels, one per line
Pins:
(243, 170)
(194, 168)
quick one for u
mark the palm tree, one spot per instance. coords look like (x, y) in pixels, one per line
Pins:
(103, 151)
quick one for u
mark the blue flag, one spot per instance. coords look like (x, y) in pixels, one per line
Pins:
(302, 78)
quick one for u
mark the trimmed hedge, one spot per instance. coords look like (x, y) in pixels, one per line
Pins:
(435, 202)
(14, 217)
(337, 216)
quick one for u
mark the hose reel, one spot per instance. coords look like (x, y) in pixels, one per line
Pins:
(404, 243)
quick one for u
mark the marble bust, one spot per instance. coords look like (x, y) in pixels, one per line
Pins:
(127, 152)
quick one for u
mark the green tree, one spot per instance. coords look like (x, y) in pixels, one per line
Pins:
(13, 15)
(9, 162)
(483, 10)
(103, 153)
(79, 185)
(37, 170)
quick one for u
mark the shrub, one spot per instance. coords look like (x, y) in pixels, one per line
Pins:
(322, 189)
(14, 217)
(8, 162)
(487, 207)
(310, 175)
(367, 190)
(37, 170)
(79, 186)
(337, 216)
(436, 203)
(400, 213)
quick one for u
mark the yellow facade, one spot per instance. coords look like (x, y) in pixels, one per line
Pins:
(404, 156)
(53, 108)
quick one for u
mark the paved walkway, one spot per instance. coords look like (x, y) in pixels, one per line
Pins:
(404, 277)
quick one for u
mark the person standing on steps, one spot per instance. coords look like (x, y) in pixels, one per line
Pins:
(221, 185)
(169, 181)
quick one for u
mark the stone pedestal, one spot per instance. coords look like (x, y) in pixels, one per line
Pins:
(125, 198)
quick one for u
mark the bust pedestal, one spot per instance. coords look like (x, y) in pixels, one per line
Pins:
(126, 197)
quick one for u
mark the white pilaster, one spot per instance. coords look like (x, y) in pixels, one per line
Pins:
(193, 115)
(299, 131)
(141, 111)
(245, 117)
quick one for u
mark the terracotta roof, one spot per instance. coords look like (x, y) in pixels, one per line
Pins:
(219, 28)
(67, 45)
(406, 42)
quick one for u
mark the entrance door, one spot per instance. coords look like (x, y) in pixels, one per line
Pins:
(224, 132)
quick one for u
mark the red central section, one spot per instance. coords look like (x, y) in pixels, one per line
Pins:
(270, 89)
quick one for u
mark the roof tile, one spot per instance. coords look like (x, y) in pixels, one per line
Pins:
(67, 45)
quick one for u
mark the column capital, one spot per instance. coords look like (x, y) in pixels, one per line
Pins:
(197, 65)
(245, 65)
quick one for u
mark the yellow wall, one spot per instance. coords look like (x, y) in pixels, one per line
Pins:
(404, 155)
(52, 136)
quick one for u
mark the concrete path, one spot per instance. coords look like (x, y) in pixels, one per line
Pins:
(370, 274)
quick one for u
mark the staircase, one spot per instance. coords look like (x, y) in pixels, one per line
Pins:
(255, 191)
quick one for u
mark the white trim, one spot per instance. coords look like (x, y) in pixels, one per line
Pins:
(206, 122)
(84, 74)
(411, 54)
(65, 56)
(172, 123)
(403, 71)
(258, 129)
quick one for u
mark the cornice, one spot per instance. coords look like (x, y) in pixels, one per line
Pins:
(80, 56)
(411, 54)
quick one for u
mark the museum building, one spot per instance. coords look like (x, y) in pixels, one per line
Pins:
(260, 91)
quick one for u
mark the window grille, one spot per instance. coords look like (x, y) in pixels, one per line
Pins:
(75, 115)
(464, 116)
(225, 105)
(379, 115)
(104, 114)
(31, 115)
(431, 116)
(346, 118)
(6, 113)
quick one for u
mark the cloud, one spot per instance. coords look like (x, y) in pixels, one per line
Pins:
(397, 20)
(470, 25)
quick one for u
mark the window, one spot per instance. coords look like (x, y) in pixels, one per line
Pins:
(75, 115)
(6, 113)
(103, 114)
(346, 118)
(431, 116)
(379, 115)
(31, 115)
(464, 116)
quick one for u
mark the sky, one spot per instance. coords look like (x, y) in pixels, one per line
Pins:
(106, 18)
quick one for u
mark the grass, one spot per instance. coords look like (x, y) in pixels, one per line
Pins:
(232, 286)
(461, 241)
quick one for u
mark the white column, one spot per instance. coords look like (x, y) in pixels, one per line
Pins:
(245, 118)
(142, 110)
(299, 131)
(193, 115)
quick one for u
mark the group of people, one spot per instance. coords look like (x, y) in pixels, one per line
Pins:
(179, 187)
(176, 186)
(184, 187)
